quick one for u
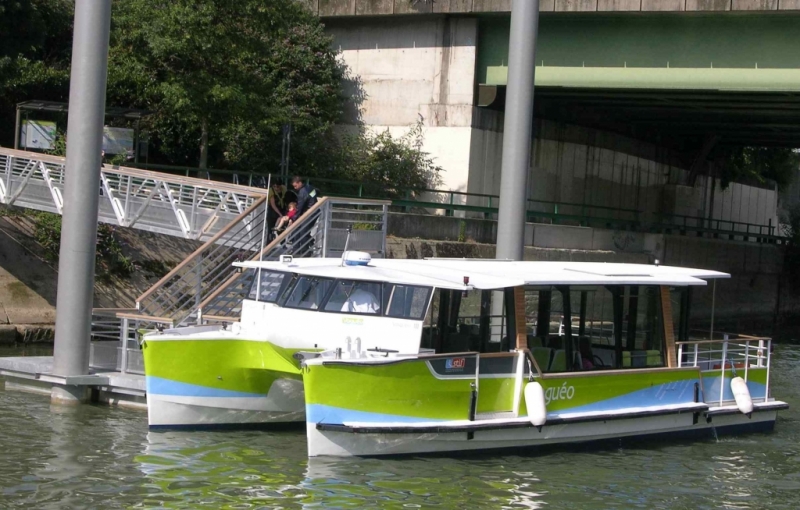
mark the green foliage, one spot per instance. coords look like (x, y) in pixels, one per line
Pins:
(759, 164)
(238, 70)
(110, 260)
(35, 45)
(47, 232)
(231, 73)
(387, 166)
(59, 145)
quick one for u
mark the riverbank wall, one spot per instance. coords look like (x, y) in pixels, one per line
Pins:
(753, 300)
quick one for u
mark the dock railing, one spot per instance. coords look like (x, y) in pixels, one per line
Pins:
(115, 344)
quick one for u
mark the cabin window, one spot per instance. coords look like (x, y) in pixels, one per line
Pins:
(405, 301)
(460, 321)
(642, 336)
(272, 285)
(350, 296)
(308, 293)
(594, 328)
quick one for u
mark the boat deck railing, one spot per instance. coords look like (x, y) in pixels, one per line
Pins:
(729, 354)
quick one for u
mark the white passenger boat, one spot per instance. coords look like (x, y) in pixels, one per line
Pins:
(457, 355)
(248, 372)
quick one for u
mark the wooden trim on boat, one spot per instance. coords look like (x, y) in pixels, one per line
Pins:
(669, 332)
(521, 331)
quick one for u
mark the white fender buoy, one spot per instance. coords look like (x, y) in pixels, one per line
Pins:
(742, 395)
(534, 401)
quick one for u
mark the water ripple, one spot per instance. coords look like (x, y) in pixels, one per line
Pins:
(96, 457)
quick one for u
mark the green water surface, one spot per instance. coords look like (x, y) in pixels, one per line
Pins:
(98, 457)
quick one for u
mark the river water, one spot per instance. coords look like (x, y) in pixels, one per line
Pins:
(98, 457)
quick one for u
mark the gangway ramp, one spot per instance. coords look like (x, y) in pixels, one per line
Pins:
(129, 197)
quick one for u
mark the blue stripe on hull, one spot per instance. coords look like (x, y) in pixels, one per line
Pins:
(161, 386)
(318, 413)
(711, 384)
(681, 392)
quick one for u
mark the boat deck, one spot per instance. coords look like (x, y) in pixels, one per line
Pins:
(34, 374)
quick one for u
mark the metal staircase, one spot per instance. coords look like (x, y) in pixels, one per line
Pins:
(228, 217)
(206, 287)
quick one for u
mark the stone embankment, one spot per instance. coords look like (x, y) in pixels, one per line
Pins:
(753, 300)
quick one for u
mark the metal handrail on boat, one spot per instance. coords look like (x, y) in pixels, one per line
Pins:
(736, 355)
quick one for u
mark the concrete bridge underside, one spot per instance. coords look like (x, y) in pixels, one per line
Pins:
(629, 105)
(674, 80)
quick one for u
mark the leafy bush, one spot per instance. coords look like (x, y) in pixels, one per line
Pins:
(110, 260)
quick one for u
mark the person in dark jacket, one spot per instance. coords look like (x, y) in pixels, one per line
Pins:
(306, 195)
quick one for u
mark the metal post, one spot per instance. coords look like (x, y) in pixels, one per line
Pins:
(518, 129)
(17, 129)
(713, 305)
(722, 374)
(87, 96)
(123, 341)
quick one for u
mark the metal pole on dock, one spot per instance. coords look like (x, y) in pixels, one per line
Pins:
(518, 129)
(87, 97)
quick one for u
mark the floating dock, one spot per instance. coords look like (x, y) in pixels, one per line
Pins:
(34, 374)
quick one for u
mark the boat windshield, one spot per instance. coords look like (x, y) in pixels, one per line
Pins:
(273, 283)
(341, 296)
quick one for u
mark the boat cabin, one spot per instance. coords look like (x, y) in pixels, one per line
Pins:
(571, 316)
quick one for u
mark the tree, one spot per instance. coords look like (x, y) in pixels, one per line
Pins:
(759, 163)
(225, 76)
(35, 46)
(387, 166)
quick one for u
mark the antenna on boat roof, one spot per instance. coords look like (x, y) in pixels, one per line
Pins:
(346, 244)
(263, 236)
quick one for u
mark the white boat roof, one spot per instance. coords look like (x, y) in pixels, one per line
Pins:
(492, 274)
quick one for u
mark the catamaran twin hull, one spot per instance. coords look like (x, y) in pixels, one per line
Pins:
(418, 405)
(219, 380)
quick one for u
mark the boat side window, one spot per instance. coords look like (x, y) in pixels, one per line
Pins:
(352, 296)
(272, 285)
(405, 301)
(308, 293)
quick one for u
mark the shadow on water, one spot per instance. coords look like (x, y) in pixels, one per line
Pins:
(96, 457)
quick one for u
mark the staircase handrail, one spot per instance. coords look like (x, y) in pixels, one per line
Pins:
(273, 244)
(199, 251)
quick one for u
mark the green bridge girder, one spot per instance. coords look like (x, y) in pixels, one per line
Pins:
(681, 78)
